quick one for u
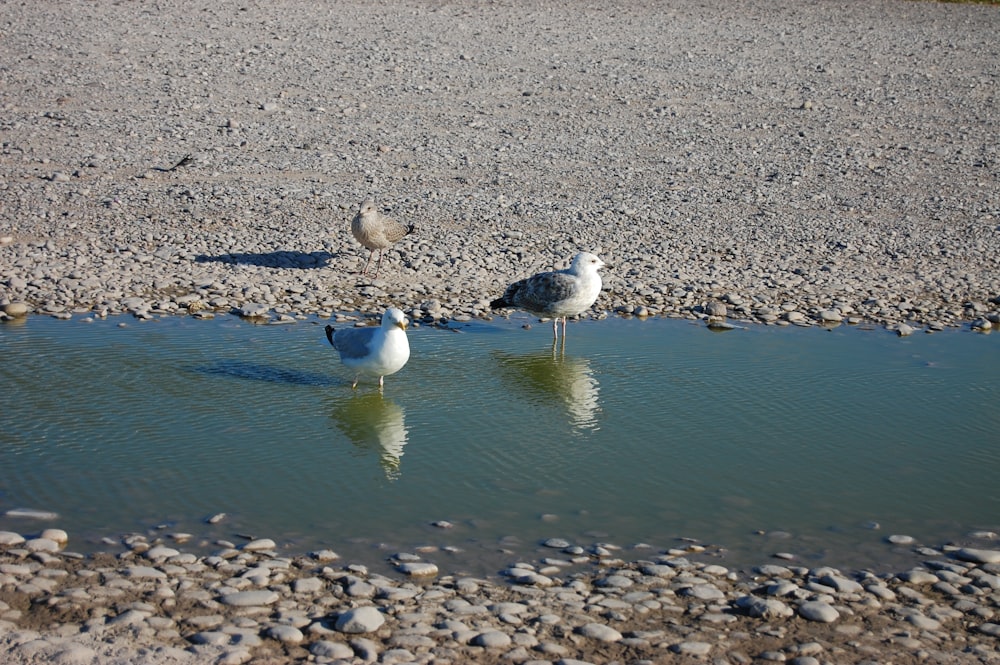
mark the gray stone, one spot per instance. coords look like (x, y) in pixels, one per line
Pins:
(285, 634)
(599, 631)
(250, 598)
(692, 648)
(333, 650)
(765, 608)
(977, 555)
(365, 619)
(816, 610)
(492, 639)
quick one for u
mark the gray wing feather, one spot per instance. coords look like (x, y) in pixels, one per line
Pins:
(353, 342)
(539, 292)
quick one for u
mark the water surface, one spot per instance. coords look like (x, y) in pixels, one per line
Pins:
(811, 441)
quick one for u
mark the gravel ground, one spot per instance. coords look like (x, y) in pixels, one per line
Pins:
(779, 161)
(789, 163)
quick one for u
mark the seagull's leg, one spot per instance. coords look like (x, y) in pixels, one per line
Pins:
(380, 382)
(564, 329)
(368, 262)
(379, 266)
(555, 329)
(354, 386)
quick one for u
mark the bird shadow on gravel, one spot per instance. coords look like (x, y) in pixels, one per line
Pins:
(242, 369)
(280, 259)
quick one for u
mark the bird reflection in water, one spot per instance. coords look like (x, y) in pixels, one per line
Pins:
(554, 377)
(373, 422)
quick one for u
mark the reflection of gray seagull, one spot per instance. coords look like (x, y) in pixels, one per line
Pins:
(373, 351)
(557, 294)
(376, 231)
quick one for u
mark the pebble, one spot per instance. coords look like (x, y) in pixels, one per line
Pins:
(366, 619)
(818, 611)
(113, 233)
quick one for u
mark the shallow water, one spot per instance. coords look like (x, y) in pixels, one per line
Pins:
(757, 440)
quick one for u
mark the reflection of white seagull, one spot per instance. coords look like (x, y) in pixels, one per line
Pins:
(374, 351)
(370, 421)
(376, 231)
(557, 294)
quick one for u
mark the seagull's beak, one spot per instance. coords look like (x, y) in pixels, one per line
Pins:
(402, 324)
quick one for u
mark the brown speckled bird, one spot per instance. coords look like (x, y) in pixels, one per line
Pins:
(376, 231)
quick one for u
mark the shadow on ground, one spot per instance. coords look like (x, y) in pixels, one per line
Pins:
(280, 259)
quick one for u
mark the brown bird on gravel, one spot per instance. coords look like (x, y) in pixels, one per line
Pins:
(376, 231)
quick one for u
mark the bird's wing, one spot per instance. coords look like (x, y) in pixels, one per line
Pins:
(539, 292)
(353, 342)
(393, 231)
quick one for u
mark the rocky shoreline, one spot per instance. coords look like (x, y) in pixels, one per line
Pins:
(833, 163)
(153, 603)
(790, 164)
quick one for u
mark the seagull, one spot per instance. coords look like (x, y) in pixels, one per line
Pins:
(376, 231)
(374, 351)
(558, 294)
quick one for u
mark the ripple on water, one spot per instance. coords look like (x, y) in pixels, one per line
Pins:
(637, 430)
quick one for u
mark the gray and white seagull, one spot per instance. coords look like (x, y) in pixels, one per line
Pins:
(557, 294)
(373, 351)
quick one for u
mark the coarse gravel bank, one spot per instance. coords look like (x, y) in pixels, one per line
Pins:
(788, 162)
(154, 603)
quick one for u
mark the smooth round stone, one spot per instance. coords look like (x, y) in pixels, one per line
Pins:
(418, 569)
(528, 577)
(57, 535)
(901, 540)
(692, 648)
(704, 592)
(10, 539)
(285, 634)
(923, 622)
(41, 545)
(491, 639)
(816, 610)
(992, 629)
(615, 581)
(254, 309)
(767, 608)
(260, 545)
(556, 543)
(144, 572)
(307, 585)
(974, 555)
(917, 576)
(161, 552)
(365, 619)
(250, 598)
(328, 649)
(16, 309)
(841, 584)
(599, 631)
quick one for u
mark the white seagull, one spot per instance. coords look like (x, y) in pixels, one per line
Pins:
(557, 294)
(373, 351)
(376, 231)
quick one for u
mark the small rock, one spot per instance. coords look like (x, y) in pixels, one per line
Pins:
(600, 632)
(365, 619)
(818, 611)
